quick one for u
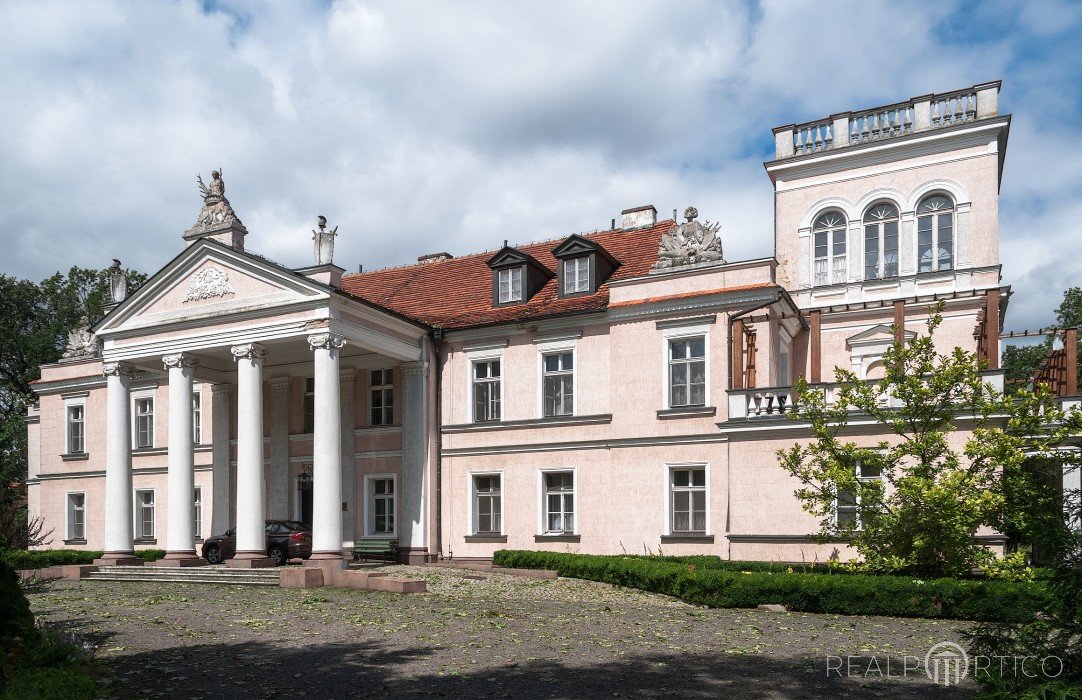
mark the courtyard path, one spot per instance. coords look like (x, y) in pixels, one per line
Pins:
(476, 635)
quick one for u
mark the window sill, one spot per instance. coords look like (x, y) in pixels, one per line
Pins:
(554, 421)
(75, 456)
(934, 277)
(136, 451)
(75, 541)
(145, 540)
(556, 538)
(882, 283)
(689, 538)
(486, 538)
(687, 412)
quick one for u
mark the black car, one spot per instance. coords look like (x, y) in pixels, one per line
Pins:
(286, 539)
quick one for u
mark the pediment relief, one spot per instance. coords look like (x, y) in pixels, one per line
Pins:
(876, 336)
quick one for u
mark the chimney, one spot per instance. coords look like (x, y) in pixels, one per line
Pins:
(434, 258)
(638, 217)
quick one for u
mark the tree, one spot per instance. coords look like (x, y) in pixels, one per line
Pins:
(916, 502)
(1021, 362)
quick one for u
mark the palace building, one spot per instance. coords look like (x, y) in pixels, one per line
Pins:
(621, 390)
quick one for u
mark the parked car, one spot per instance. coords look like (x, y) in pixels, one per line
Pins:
(286, 539)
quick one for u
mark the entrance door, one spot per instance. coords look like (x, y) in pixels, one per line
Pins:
(304, 491)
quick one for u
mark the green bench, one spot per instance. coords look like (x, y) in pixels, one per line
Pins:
(382, 549)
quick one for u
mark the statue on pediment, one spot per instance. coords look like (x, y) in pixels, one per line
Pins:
(689, 243)
(216, 212)
(82, 344)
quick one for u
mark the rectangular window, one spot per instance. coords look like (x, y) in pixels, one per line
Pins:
(309, 405)
(687, 372)
(935, 242)
(830, 257)
(144, 515)
(197, 513)
(558, 378)
(560, 502)
(197, 418)
(687, 488)
(847, 503)
(577, 275)
(76, 429)
(144, 422)
(486, 390)
(381, 397)
(510, 285)
(487, 507)
(383, 500)
(77, 516)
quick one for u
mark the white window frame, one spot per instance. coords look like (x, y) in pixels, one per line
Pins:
(542, 501)
(71, 509)
(511, 298)
(137, 529)
(305, 394)
(880, 226)
(557, 347)
(856, 499)
(472, 505)
(197, 416)
(69, 404)
(668, 490)
(136, 397)
(682, 333)
(831, 257)
(385, 389)
(785, 350)
(580, 280)
(197, 512)
(917, 216)
(370, 506)
(485, 356)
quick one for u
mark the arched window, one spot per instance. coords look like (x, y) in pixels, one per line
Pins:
(881, 242)
(829, 236)
(935, 234)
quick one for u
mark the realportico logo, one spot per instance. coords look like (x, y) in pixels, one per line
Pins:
(946, 663)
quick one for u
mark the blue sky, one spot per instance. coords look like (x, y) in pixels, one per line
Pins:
(421, 127)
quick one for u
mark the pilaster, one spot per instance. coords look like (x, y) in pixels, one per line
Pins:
(221, 472)
(347, 388)
(278, 478)
(412, 521)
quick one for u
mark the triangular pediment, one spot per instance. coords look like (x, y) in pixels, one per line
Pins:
(211, 280)
(508, 256)
(574, 245)
(881, 334)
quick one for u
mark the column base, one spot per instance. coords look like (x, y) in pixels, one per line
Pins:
(180, 559)
(325, 556)
(414, 555)
(119, 559)
(334, 569)
(250, 560)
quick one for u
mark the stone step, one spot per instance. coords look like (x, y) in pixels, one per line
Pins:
(170, 579)
(201, 574)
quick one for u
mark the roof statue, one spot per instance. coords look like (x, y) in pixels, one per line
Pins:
(216, 212)
(689, 243)
(81, 342)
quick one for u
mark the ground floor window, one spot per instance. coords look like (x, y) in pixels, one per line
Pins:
(559, 502)
(77, 516)
(847, 502)
(488, 505)
(197, 513)
(144, 515)
(381, 505)
(687, 491)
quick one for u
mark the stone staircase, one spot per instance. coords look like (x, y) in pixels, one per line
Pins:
(196, 574)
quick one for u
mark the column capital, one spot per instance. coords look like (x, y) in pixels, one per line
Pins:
(179, 359)
(326, 341)
(347, 376)
(118, 369)
(217, 390)
(414, 369)
(279, 383)
(248, 351)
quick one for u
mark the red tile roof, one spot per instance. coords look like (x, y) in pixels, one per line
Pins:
(457, 293)
(692, 295)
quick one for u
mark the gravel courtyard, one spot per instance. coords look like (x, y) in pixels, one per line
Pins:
(475, 635)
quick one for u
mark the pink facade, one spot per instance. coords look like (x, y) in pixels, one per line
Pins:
(615, 392)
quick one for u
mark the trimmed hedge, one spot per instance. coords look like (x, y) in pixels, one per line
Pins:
(39, 559)
(850, 594)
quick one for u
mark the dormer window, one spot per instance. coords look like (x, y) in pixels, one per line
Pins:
(583, 266)
(576, 275)
(510, 285)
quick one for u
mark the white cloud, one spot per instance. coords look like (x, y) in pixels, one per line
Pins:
(451, 126)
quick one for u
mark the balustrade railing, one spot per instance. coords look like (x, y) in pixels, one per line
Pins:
(918, 114)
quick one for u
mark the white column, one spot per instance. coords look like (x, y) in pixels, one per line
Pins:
(251, 535)
(348, 389)
(326, 449)
(119, 519)
(412, 522)
(180, 511)
(221, 495)
(278, 478)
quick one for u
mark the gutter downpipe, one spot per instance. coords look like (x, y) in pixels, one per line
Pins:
(437, 345)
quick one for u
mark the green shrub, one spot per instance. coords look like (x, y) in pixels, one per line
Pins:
(51, 683)
(850, 594)
(16, 620)
(39, 559)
